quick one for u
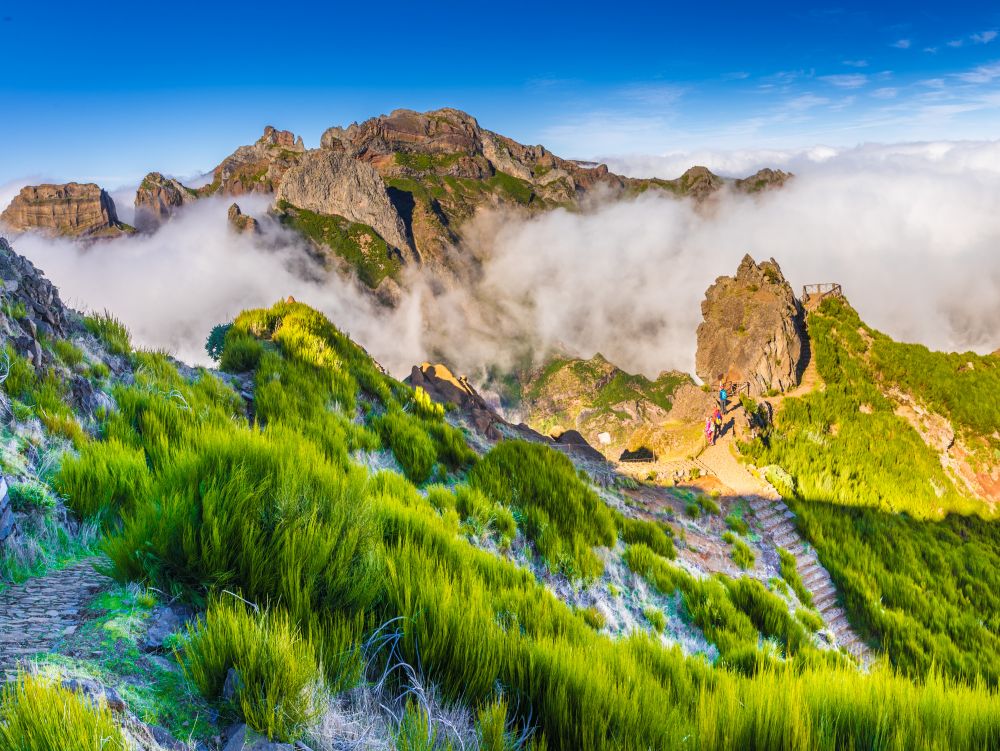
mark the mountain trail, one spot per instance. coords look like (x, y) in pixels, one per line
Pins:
(775, 521)
(36, 614)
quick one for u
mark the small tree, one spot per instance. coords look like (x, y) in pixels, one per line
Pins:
(216, 340)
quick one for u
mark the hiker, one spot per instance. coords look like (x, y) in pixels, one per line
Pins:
(723, 396)
(717, 419)
(710, 430)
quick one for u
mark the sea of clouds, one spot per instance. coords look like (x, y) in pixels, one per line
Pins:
(912, 232)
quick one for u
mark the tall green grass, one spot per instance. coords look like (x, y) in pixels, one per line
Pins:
(37, 714)
(111, 331)
(277, 684)
(278, 512)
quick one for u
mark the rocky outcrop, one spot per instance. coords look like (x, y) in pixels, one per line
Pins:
(72, 209)
(24, 286)
(242, 223)
(157, 198)
(765, 179)
(445, 388)
(333, 183)
(8, 526)
(753, 330)
(258, 168)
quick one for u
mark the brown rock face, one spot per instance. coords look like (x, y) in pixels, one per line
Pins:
(258, 168)
(753, 330)
(241, 222)
(462, 149)
(75, 209)
(157, 198)
(444, 387)
(331, 182)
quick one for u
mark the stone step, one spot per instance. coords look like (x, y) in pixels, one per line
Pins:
(786, 538)
(772, 511)
(824, 603)
(815, 577)
(809, 569)
(823, 589)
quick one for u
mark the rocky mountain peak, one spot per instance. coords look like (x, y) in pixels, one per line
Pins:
(73, 209)
(753, 330)
(157, 198)
(283, 138)
(764, 179)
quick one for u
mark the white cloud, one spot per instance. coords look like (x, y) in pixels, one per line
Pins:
(901, 44)
(171, 287)
(846, 80)
(856, 63)
(910, 230)
(981, 74)
(931, 50)
(984, 37)
(885, 93)
(956, 43)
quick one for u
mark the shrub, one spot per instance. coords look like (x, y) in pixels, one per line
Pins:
(241, 352)
(279, 690)
(649, 533)
(593, 618)
(655, 617)
(68, 352)
(111, 331)
(105, 480)
(811, 620)
(742, 555)
(39, 715)
(790, 573)
(492, 728)
(411, 445)
(31, 496)
(738, 524)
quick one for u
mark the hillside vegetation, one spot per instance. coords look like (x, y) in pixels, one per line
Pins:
(199, 498)
(915, 558)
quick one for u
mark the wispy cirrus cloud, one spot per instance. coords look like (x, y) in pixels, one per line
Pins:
(886, 92)
(846, 80)
(902, 44)
(981, 74)
(856, 63)
(984, 37)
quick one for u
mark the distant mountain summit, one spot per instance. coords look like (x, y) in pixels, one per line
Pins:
(384, 193)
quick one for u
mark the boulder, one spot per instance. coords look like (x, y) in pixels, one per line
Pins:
(241, 738)
(333, 183)
(640, 455)
(71, 209)
(8, 526)
(242, 223)
(753, 330)
(157, 198)
(164, 621)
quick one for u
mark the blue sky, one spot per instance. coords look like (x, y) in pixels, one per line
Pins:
(110, 91)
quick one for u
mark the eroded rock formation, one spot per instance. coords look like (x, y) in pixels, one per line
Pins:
(157, 198)
(330, 182)
(753, 330)
(71, 209)
(243, 223)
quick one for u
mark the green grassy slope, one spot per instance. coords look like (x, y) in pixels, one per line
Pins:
(281, 510)
(915, 559)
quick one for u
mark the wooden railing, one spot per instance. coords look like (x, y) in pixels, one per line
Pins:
(829, 289)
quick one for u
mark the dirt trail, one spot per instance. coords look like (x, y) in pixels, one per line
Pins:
(775, 524)
(36, 614)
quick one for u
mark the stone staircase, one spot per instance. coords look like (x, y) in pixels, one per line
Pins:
(776, 523)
